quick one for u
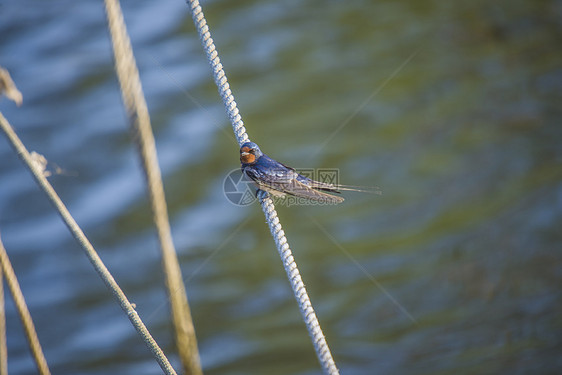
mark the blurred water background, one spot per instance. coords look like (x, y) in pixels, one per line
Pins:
(454, 109)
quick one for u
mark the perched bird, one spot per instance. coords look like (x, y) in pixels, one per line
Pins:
(278, 179)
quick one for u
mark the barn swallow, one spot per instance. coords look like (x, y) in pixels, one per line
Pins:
(278, 179)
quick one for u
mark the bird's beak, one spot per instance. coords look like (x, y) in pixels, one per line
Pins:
(244, 153)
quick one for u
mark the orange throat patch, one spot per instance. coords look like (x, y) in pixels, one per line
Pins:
(248, 158)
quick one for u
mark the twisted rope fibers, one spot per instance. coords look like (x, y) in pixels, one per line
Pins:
(218, 72)
(319, 341)
(293, 274)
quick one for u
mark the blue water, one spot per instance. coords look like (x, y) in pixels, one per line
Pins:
(452, 109)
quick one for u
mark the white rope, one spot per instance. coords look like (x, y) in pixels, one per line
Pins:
(293, 274)
(218, 72)
(309, 316)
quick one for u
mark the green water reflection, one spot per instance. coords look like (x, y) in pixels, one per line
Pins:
(452, 108)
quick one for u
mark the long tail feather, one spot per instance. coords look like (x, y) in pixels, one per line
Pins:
(337, 188)
(362, 189)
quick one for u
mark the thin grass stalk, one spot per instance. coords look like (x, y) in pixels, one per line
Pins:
(39, 176)
(23, 312)
(139, 121)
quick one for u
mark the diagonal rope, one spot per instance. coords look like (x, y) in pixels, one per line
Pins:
(139, 121)
(218, 72)
(307, 311)
(91, 253)
(320, 345)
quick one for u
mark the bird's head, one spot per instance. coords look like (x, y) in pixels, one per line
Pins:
(249, 153)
